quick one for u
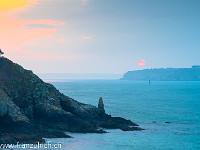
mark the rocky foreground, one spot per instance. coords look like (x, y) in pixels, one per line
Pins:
(31, 109)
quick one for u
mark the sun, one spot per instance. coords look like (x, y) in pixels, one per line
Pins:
(141, 63)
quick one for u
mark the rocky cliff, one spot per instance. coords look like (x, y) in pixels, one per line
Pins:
(31, 109)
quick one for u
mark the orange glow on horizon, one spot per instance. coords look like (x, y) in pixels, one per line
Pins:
(6, 5)
(14, 32)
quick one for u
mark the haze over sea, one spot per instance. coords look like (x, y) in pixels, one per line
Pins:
(150, 106)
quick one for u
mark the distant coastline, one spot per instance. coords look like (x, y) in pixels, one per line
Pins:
(162, 74)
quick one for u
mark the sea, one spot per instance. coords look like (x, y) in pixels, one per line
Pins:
(169, 111)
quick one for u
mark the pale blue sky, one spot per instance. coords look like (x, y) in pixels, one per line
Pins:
(119, 33)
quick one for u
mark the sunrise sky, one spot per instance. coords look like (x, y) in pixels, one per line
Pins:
(100, 36)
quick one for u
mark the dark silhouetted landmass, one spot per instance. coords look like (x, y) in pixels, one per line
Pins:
(168, 74)
(31, 109)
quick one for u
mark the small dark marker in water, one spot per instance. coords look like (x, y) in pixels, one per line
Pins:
(149, 81)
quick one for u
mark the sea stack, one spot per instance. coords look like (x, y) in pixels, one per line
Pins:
(101, 105)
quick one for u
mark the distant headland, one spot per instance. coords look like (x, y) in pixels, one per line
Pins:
(162, 74)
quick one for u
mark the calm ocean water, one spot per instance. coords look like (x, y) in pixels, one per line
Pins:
(148, 105)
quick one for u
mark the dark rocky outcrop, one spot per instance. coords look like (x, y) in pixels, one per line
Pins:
(31, 109)
(101, 106)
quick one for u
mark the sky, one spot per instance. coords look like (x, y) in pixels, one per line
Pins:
(100, 36)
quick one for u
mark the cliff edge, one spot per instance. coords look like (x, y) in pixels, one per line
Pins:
(31, 109)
